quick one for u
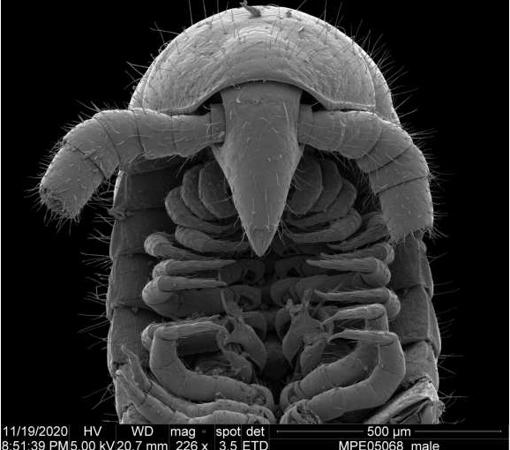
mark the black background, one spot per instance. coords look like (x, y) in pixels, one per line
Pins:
(59, 57)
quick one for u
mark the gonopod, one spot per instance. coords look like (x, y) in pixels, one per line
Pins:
(268, 262)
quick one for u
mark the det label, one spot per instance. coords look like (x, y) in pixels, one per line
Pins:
(237, 438)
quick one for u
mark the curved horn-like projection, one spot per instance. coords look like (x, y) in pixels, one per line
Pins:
(93, 150)
(260, 154)
(397, 170)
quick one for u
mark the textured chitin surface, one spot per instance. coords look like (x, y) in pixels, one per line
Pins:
(281, 45)
(268, 262)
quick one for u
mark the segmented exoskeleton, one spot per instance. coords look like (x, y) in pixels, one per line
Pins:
(280, 274)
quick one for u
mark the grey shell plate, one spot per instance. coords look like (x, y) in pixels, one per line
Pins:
(281, 45)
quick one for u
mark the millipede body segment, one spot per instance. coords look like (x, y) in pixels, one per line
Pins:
(268, 262)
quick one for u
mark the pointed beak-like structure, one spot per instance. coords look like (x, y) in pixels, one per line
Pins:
(260, 154)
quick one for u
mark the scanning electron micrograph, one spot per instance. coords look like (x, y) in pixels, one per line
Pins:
(268, 262)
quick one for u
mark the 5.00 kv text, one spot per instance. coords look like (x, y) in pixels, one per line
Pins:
(105, 445)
